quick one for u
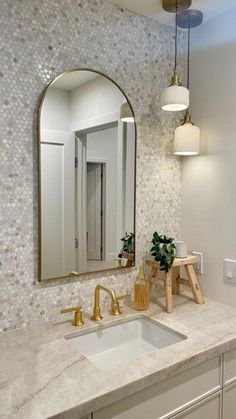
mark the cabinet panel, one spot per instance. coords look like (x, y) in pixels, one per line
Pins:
(229, 366)
(209, 408)
(229, 402)
(71, 415)
(167, 397)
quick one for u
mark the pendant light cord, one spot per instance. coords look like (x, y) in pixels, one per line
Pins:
(176, 35)
(188, 71)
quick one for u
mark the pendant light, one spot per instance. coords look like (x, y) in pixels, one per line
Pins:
(126, 114)
(187, 136)
(175, 97)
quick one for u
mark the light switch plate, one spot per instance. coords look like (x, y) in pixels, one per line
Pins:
(199, 264)
(230, 272)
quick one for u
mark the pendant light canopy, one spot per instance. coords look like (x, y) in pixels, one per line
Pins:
(126, 114)
(175, 97)
(170, 5)
(187, 136)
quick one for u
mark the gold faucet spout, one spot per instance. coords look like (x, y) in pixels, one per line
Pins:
(115, 308)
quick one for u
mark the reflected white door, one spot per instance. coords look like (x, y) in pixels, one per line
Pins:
(94, 211)
(57, 203)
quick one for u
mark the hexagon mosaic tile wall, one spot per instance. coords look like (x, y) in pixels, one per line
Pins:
(39, 40)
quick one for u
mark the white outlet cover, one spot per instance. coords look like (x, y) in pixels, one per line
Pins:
(230, 272)
(199, 264)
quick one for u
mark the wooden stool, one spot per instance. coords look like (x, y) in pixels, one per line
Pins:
(172, 279)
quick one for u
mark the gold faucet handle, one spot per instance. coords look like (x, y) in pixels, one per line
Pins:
(124, 297)
(69, 310)
(78, 315)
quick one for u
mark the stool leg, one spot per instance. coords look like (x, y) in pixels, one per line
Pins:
(196, 289)
(168, 287)
(154, 272)
(175, 274)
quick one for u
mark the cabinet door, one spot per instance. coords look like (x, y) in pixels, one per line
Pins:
(229, 402)
(209, 408)
(72, 415)
(229, 367)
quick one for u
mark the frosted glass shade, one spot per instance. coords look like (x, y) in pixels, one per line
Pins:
(175, 98)
(126, 113)
(187, 139)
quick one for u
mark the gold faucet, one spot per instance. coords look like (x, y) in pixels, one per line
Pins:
(115, 307)
(78, 316)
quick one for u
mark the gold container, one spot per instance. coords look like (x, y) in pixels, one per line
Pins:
(141, 292)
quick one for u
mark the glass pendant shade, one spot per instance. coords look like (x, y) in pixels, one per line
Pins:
(187, 140)
(126, 114)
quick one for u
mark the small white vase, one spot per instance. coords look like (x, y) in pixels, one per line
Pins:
(181, 249)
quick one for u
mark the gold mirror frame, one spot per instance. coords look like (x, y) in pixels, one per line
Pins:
(41, 101)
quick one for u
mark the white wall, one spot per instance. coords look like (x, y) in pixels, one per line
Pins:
(95, 99)
(56, 110)
(208, 186)
(81, 108)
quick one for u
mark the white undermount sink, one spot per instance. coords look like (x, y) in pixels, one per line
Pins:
(114, 345)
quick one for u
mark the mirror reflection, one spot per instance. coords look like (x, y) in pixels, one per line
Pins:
(87, 148)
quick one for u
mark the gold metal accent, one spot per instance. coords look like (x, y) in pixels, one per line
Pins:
(41, 101)
(78, 315)
(73, 273)
(123, 297)
(115, 307)
(175, 80)
(170, 5)
(187, 118)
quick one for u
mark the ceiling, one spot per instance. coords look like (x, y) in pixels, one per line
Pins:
(153, 8)
(74, 79)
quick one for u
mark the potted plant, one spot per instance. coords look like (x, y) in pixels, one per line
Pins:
(163, 250)
(128, 243)
(127, 250)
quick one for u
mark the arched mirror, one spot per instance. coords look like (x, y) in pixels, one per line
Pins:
(87, 149)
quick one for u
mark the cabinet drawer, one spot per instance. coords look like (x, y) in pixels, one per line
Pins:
(167, 397)
(209, 408)
(229, 367)
(229, 401)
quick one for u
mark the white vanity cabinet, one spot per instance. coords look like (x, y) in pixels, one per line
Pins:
(229, 385)
(207, 391)
(173, 395)
(229, 367)
(229, 401)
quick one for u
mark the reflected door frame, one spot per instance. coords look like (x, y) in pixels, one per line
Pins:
(103, 162)
(98, 124)
(81, 204)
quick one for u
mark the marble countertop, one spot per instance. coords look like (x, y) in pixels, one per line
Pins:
(43, 376)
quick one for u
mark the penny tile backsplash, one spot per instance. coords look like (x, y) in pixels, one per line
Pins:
(38, 41)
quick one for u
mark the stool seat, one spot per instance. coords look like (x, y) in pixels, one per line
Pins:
(173, 280)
